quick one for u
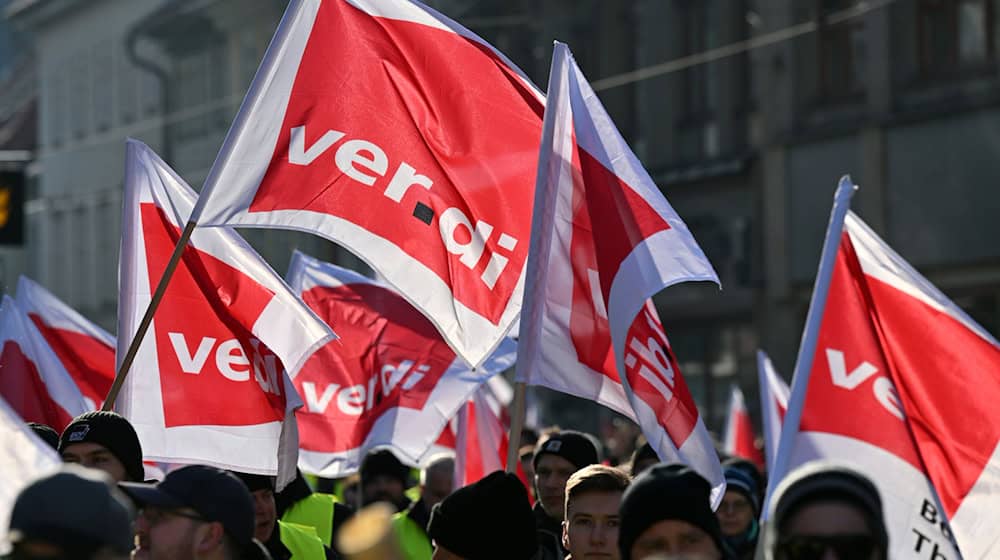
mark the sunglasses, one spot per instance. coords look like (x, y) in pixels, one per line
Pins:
(812, 547)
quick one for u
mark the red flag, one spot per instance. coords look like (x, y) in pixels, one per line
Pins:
(738, 438)
(208, 384)
(773, 404)
(605, 241)
(481, 442)
(86, 350)
(390, 381)
(399, 134)
(845, 407)
(32, 379)
(945, 374)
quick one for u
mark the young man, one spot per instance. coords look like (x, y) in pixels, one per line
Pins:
(557, 457)
(666, 511)
(74, 513)
(590, 530)
(106, 441)
(196, 512)
(824, 510)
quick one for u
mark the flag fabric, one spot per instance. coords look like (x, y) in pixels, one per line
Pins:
(942, 370)
(390, 381)
(32, 379)
(604, 241)
(209, 382)
(24, 458)
(738, 437)
(481, 440)
(848, 408)
(773, 404)
(86, 350)
(399, 134)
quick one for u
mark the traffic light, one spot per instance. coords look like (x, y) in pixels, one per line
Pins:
(12, 208)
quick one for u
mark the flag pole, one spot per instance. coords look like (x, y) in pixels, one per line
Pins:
(536, 267)
(810, 334)
(147, 318)
(516, 425)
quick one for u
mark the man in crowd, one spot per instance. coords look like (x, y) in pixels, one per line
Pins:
(436, 482)
(283, 541)
(642, 458)
(593, 495)
(738, 513)
(298, 503)
(74, 513)
(823, 510)
(557, 456)
(666, 511)
(195, 512)
(488, 520)
(106, 441)
(384, 479)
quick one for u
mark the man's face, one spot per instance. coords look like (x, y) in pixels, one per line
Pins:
(825, 526)
(163, 534)
(735, 513)
(551, 475)
(675, 538)
(265, 514)
(437, 486)
(95, 456)
(591, 527)
(382, 488)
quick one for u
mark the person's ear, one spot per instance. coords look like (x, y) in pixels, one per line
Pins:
(565, 534)
(209, 537)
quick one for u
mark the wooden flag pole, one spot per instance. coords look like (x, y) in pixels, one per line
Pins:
(516, 425)
(147, 319)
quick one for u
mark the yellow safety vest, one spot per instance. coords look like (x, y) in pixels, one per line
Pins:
(301, 541)
(413, 540)
(315, 511)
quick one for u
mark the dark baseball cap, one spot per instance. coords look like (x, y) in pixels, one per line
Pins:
(216, 495)
(76, 509)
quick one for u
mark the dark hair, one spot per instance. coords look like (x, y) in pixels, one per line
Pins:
(595, 478)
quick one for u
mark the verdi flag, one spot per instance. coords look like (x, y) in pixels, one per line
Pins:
(773, 404)
(604, 241)
(845, 406)
(390, 381)
(399, 134)
(86, 350)
(738, 438)
(24, 458)
(32, 379)
(209, 383)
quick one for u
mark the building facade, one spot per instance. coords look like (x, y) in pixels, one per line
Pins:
(746, 113)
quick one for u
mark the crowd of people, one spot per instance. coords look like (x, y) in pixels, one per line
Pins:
(570, 506)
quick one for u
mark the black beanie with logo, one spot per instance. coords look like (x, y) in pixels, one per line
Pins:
(571, 445)
(112, 431)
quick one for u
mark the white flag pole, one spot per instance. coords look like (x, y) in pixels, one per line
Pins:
(807, 348)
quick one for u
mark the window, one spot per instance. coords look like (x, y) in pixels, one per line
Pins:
(954, 37)
(841, 52)
(698, 130)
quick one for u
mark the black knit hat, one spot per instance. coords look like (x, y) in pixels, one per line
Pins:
(666, 492)
(112, 431)
(383, 462)
(571, 445)
(45, 433)
(738, 480)
(469, 521)
(821, 481)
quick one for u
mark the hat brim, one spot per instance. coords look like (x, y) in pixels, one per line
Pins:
(149, 495)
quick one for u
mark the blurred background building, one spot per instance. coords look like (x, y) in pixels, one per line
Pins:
(746, 112)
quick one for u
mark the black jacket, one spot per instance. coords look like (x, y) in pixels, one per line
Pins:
(549, 535)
